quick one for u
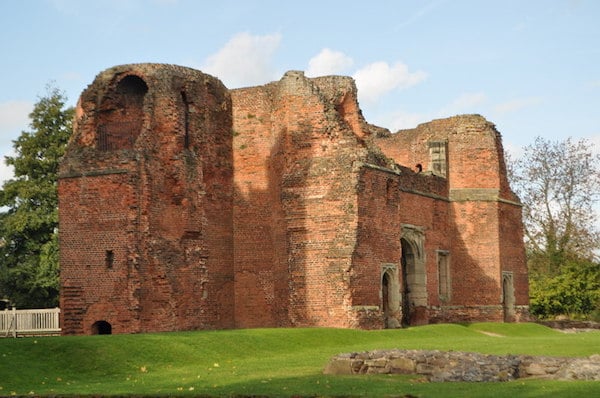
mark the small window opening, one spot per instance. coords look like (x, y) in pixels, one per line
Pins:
(109, 258)
(418, 167)
(186, 120)
(101, 327)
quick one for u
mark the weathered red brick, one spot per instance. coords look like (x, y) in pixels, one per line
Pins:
(184, 205)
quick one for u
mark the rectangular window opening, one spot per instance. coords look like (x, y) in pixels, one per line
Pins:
(110, 258)
(444, 281)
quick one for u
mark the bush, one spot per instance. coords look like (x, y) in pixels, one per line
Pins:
(574, 292)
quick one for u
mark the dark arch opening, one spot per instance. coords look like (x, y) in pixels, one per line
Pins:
(385, 294)
(408, 265)
(133, 86)
(122, 114)
(101, 327)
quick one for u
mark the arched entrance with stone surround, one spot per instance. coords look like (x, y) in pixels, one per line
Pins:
(414, 277)
(390, 296)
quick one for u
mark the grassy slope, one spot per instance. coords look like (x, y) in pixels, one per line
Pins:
(271, 362)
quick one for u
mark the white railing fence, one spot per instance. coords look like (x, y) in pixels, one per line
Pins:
(29, 322)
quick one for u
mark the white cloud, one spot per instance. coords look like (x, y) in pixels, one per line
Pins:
(245, 60)
(593, 84)
(6, 172)
(516, 105)
(328, 62)
(401, 120)
(512, 150)
(378, 78)
(595, 141)
(14, 117)
(464, 103)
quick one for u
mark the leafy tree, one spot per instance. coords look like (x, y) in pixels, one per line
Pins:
(29, 220)
(559, 183)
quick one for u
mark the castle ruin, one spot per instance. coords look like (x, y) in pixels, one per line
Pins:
(185, 205)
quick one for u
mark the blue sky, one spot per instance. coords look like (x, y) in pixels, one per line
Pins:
(531, 67)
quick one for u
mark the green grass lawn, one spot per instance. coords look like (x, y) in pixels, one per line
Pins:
(273, 362)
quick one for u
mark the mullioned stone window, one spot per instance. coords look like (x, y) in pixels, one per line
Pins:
(437, 158)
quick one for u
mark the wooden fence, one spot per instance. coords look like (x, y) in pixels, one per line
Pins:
(16, 323)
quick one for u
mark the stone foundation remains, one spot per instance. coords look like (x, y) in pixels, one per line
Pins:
(441, 366)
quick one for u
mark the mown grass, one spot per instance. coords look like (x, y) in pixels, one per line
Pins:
(272, 362)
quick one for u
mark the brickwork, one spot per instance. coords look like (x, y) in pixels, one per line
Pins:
(146, 210)
(485, 226)
(185, 205)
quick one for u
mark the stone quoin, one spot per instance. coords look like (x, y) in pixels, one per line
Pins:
(186, 205)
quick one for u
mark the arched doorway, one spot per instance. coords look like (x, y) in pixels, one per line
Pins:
(385, 295)
(407, 262)
(101, 327)
(414, 278)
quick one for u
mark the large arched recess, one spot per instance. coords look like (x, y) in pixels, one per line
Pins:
(121, 114)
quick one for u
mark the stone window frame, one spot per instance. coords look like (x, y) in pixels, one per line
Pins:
(438, 157)
(394, 295)
(508, 275)
(443, 262)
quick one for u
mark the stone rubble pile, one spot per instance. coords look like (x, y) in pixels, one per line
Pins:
(441, 366)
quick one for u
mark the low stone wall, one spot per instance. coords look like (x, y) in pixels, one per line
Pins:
(571, 326)
(464, 366)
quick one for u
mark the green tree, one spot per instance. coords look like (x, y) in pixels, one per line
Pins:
(559, 183)
(29, 220)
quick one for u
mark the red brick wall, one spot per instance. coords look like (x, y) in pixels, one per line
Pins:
(511, 245)
(102, 208)
(485, 222)
(378, 244)
(275, 205)
(475, 254)
(473, 150)
(260, 250)
(164, 211)
(295, 212)
(432, 215)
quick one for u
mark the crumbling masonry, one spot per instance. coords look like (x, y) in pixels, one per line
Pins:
(184, 205)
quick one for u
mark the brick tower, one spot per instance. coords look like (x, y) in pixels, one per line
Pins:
(145, 204)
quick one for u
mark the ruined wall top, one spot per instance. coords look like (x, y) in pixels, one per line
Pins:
(472, 147)
(146, 106)
(146, 98)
